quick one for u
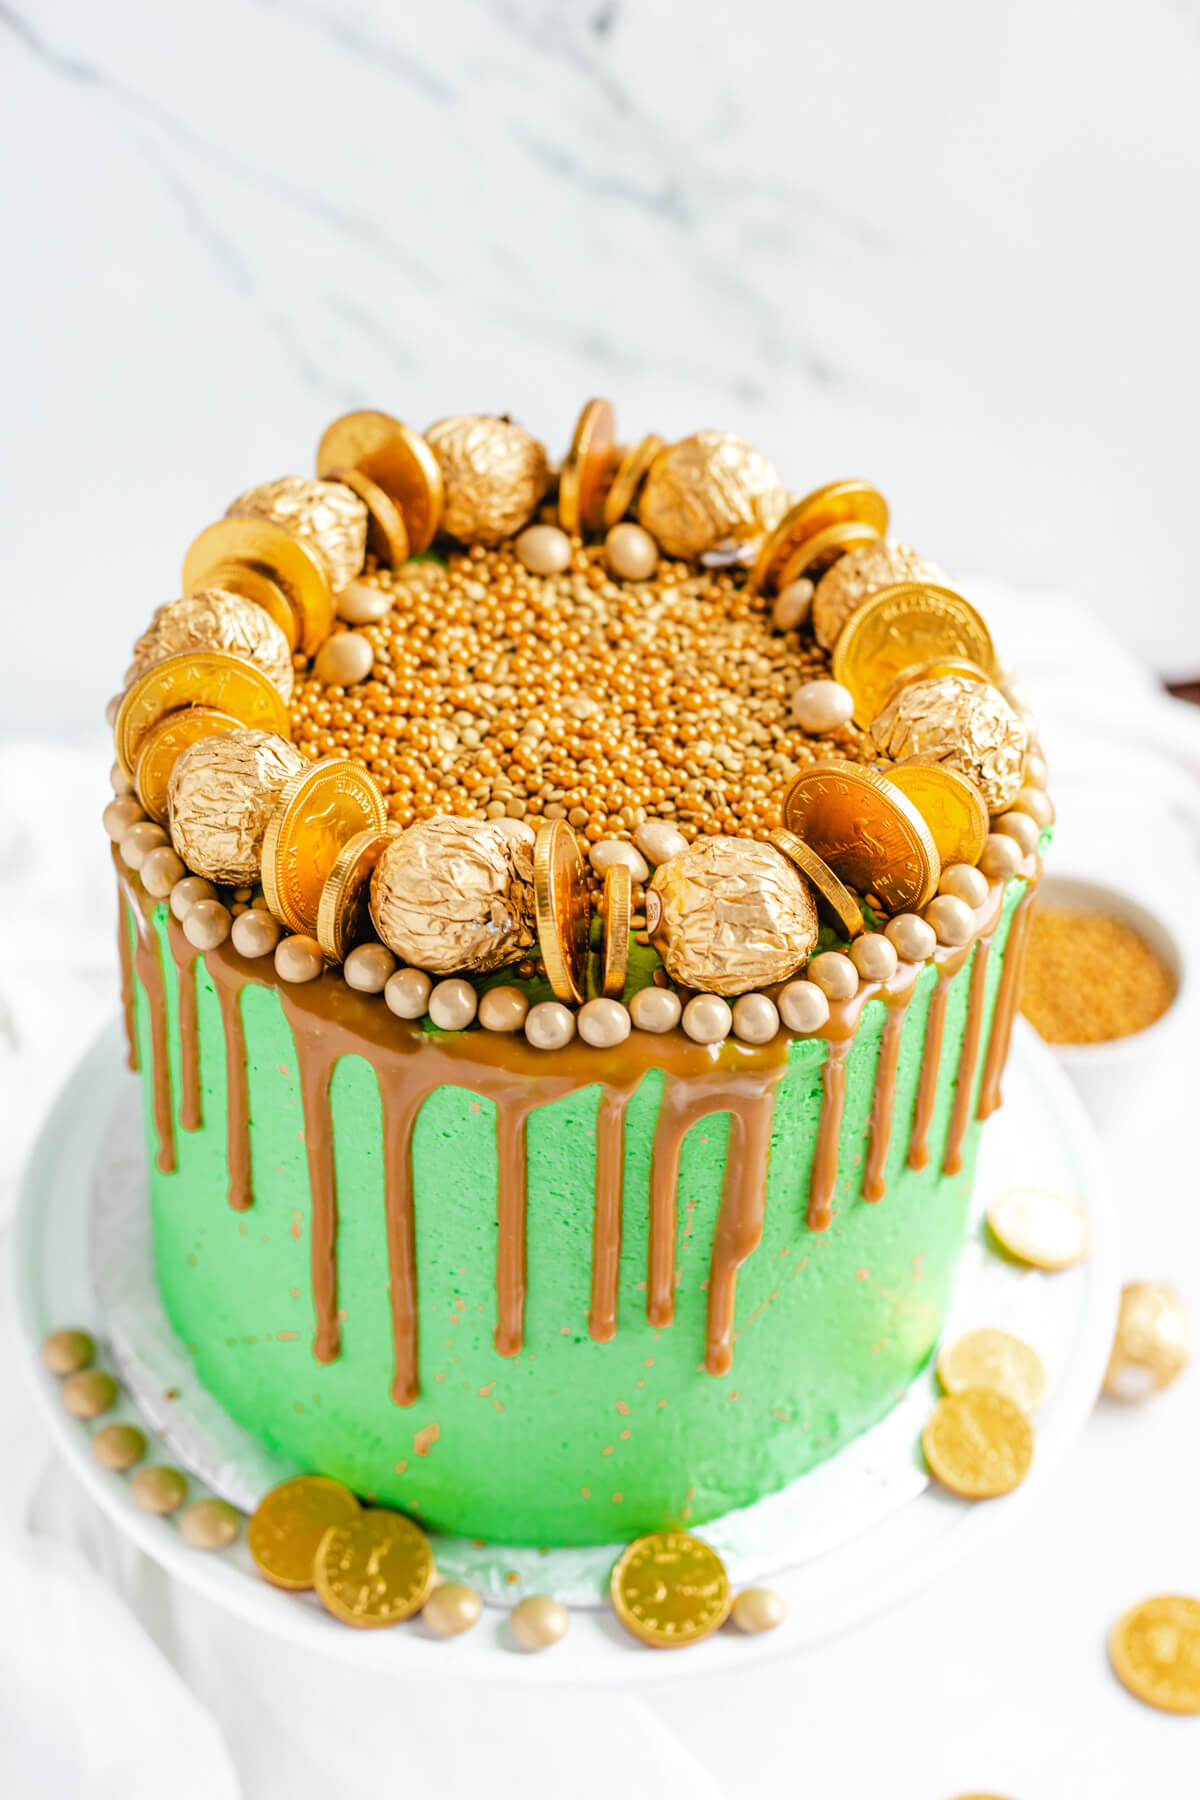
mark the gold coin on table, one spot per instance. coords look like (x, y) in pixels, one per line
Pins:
(287, 1525)
(632, 470)
(1154, 1649)
(319, 810)
(397, 459)
(166, 740)
(670, 1590)
(1040, 1226)
(229, 684)
(374, 1570)
(868, 832)
(616, 907)
(978, 1443)
(819, 552)
(837, 504)
(563, 912)
(342, 911)
(898, 628)
(387, 535)
(588, 470)
(264, 548)
(950, 804)
(988, 1358)
(833, 896)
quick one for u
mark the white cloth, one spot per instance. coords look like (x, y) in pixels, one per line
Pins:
(114, 1681)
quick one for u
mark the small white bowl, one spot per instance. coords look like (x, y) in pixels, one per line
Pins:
(1109, 1075)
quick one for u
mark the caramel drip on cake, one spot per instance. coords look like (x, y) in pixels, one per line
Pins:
(960, 1115)
(931, 1063)
(680, 1108)
(191, 1110)
(229, 986)
(316, 1064)
(511, 1158)
(125, 923)
(822, 1185)
(740, 1222)
(606, 1230)
(147, 962)
(1008, 998)
(883, 1102)
(400, 1111)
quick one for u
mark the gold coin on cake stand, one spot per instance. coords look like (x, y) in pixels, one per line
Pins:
(213, 678)
(837, 504)
(374, 1570)
(387, 535)
(286, 1527)
(950, 804)
(820, 551)
(868, 832)
(1154, 1649)
(988, 1358)
(978, 1443)
(670, 1590)
(264, 549)
(342, 911)
(166, 740)
(561, 905)
(395, 458)
(616, 907)
(898, 628)
(588, 469)
(319, 810)
(833, 896)
(1039, 1226)
(632, 470)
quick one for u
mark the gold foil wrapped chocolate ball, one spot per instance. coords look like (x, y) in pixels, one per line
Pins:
(968, 725)
(730, 914)
(710, 491)
(1153, 1344)
(325, 514)
(858, 575)
(495, 475)
(453, 896)
(213, 620)
(220, 797)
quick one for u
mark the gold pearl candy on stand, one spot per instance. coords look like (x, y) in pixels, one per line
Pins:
(209, 1524)
(1154, 1342)
(758, 1609)
(118, 1447)
(86, 1393)
(65, 1351)
(538, 1622)
(159, 1489)
(451, 1609)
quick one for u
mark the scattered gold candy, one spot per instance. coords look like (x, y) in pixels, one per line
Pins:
(118, 1447)
(374, 1570)
(209, 1524)
(343, 911)
(1153, 1344)
(197, 678)
(317, 812)
(869, 833)
(759, 1609)
(159, 1489)
(988, 1358)
(452, 895)
(1154, 1649)
(494, 473)
(1090, 977)
(288, 1524)
(328, 515)
(221, 796)
(963, 724)
(729, 915)
(950, 805)
(839, 903)
(978, 1443)
(398, 461)
(615, 911)
(562, 909)
(710, 491)
(858, 575)
(898, 628)
(451, 1609)
(840, 503)
(669, 1590)
(588, 470)
(162, 746)
(65, 1351)
(89, 1392)
(212, 620)
(538, 1621)
(238, 554)
(1041, 1227)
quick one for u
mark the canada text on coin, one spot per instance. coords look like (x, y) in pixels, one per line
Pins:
(669, 1589)
(899, 627)
(288, 1524)
(318, 811)
(229, 684)
(868, 832)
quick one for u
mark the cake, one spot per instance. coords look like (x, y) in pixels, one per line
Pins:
(570, 929)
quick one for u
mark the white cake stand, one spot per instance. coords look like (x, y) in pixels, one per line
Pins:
(843, 1543)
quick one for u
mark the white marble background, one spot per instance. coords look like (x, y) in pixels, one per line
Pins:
(949, 247)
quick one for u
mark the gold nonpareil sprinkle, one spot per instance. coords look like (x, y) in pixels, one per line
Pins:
(1089, 977)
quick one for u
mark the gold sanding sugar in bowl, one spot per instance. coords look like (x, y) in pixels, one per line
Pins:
(1089, 977)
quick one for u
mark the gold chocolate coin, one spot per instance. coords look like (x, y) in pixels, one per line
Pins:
(993, 1359)
(899, 627)
(1154, 1649)
(934, 670)
(374, 1570)
(820, 551)
(319, 810)
(632, 470)
(978, 1443)
(868, 832)
(264, 548)
(397, 459)
(616, 906)
(1041, 1227)
(834, 898)
(342, 910)
(387, 535)
(950, 804)
(670, 1590)
(229, 684)
(561, 904)
(287, 1525)
(587, 470)
(840, 503)
(264, 591)
(164, 741)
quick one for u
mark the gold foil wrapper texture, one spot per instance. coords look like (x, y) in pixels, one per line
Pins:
(861, 573)
(221, 793)
(968, 725)
(735, 915)
(326, 514)
(454, 896)
(710, 491)
(214, 620)
(494, 473)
